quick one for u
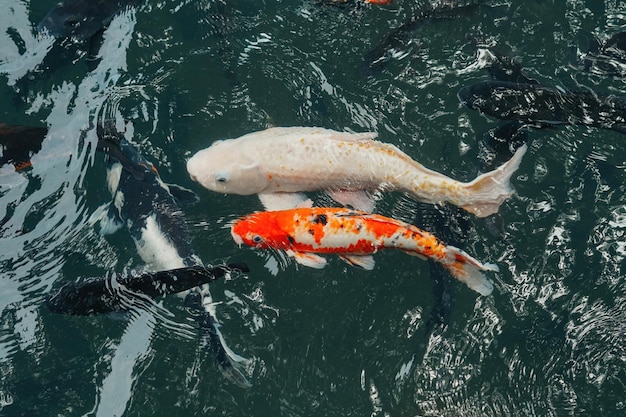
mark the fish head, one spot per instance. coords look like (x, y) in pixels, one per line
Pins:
(259, 230)
(475, 96)
(73, 19)
(223, 168)
(500, 99)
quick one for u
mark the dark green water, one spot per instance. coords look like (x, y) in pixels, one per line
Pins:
(401, 340)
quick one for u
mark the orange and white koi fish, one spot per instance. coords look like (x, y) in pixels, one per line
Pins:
(280, 162)
(353, 235)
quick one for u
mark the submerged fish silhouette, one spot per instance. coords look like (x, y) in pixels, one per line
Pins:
(148, 209)
(18, 143)
(399, 38)
(541, 106)
(103, 294)
(82, 19)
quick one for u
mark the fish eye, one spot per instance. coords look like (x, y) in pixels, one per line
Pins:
(257, 239)
(72, 21)
(221, 178)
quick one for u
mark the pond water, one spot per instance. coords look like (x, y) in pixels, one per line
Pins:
(404, 339)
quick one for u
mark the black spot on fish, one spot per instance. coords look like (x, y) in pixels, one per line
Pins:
(321, 218)
(311, 232)
(291, 240)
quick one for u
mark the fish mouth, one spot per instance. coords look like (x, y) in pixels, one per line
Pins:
(192, 169)
(238, 240)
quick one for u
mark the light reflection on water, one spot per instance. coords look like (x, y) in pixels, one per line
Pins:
(549, 342)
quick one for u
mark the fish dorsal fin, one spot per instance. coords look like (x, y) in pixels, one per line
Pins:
(340, 136)
(355, 137)
(375, 218)
(362, 261)
(347, 213)
(312, 132)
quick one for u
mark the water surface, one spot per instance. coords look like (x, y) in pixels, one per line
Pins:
(401, 340)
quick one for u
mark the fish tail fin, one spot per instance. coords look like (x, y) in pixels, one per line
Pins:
(468, 270)
(490, 190)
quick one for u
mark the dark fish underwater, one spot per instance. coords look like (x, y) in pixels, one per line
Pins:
(607, 58)
(82, 19)
(105, 294)
(399, 38)
(540, 106)
(19, 143)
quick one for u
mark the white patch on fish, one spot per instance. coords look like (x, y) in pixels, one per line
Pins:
(156, 249)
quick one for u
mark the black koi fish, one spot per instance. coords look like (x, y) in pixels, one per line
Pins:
(608, 58)
(82, 19)
(540, 106)
(399, 38)
(19, 143)
(98, 295)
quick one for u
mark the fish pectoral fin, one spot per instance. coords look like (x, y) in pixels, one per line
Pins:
(308, 259)
(362, 261)
(358, 200)
(182, 194)
(284, 201)
(417, 255)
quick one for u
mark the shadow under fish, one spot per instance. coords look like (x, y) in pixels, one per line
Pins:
(539, 106)
(149, 210)
(399, 38)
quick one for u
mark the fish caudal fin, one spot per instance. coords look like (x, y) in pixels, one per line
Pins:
(490, 190)
(468, 270)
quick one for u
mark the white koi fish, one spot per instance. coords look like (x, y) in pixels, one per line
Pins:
(278, 162)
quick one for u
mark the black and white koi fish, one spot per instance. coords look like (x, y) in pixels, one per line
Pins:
(147, 207)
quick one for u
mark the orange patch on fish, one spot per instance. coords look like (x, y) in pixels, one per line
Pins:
(353, 234)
